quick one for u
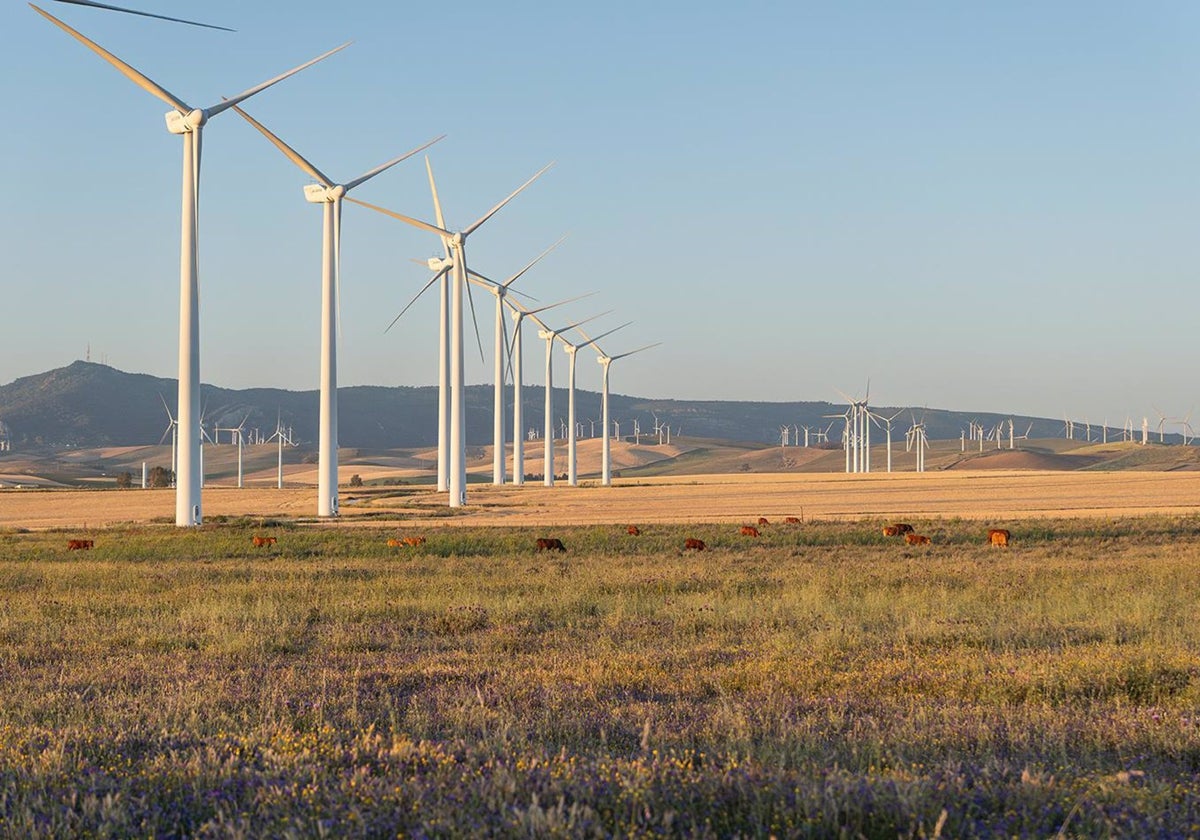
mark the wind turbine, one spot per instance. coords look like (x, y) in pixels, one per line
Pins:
(188, 122)
(500, 290)
(516, 354)
(173, 430)
(329, 194)
(572, 349)
(550, 335)
(455, 244)
(283, 436)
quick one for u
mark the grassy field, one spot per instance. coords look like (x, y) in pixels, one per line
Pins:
(821, 681)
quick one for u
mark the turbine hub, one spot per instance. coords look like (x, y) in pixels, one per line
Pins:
(456, 239)
(178, 123)
(337, 192)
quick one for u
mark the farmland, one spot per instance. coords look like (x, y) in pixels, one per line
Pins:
(821, 680)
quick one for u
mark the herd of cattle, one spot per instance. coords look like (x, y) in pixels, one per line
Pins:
(997, 537)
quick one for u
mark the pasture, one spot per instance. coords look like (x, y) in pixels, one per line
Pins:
(821, 680)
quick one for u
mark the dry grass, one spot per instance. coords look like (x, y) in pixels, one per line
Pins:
(992, 495)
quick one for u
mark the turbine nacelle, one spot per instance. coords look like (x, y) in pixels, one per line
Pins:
(439, 264)
(320, 194)
(180, 123)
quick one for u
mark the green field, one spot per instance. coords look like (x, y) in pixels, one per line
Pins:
(821, 681)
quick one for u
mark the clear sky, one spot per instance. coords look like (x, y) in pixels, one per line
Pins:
(976, 206)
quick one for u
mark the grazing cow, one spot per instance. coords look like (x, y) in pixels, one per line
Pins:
(999, 537)
(792, 520)
(762, 520)
(259, 542)
(903, 528)
(78, 545)
(749, 531)
(394, 543)
(891, 531)
(550, 544)
(693, 544)
(916, 539)
(634, 531)
(413, 542)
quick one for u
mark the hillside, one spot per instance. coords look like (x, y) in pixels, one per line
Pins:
(88, 405)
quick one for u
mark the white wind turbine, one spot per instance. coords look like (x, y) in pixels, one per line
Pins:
(499, 291)
(329, 194)
(516, 354)
(188, 122)
(549, 335)
(283, 436)
(572, 444)
(455, 244)
(173, 430)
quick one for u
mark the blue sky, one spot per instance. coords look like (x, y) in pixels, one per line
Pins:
(978, 208)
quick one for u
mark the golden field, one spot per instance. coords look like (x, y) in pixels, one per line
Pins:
(986, 495)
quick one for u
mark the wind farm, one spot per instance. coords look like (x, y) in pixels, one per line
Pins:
(883, 489)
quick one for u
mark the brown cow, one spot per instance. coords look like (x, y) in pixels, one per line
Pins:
(394, 543)
(749, 531)
(77, 545)
(916, 539)
(762, 520)
(891, 531)
(999, 537)
(413, 542)
(792, 520)
(550, 544)
(259, 542)
(634, 531)
(903, 528)
(693, 544)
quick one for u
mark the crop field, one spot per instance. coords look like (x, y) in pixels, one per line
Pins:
(818, 681)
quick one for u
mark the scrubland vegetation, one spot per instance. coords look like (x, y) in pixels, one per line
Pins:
(820, 681)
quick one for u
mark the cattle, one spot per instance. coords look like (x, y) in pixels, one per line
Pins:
(903, 528)
(259, 542)
(792, 520)
(916, 539)
(394, 543)
(762, 520)
(891, 531)
(634, 531)
(550, 544)
(79, 545)
(999, 537)
(413, 542)
(749, 531)
(693, 544)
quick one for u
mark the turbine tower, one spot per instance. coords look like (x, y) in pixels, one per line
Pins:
(188, 122)
(329, 194)
(455, 242)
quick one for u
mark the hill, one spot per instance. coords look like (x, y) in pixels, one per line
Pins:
(89, 405)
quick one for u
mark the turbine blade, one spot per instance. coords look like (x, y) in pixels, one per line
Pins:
(145, 14)
(409, 220)
(597, 338)
(471, 301)
(560, 303)
(225, 104)
(508, 354)
(367, 176)
(533, 262)
(432, 280)
(288, 152)
(639, 350)
(511, 196)
(138, 78)
(437, 204)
